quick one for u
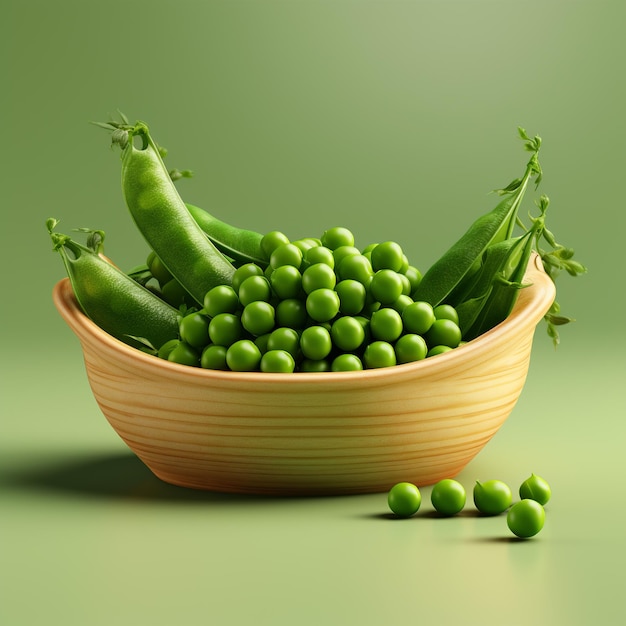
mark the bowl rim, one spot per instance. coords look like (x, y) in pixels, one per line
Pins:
(532, 304)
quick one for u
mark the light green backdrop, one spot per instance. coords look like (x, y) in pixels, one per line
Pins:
(395, 119)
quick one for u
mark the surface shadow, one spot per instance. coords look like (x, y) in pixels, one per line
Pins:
(117, 476)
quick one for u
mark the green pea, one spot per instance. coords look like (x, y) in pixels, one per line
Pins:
(435, 350)
(492, 497)
(158, 270)
(379, 354)
(404, 499)
(184, 354)
(446, 312)
(225, 329)
(243, 356)
(286, 254)
(322, 304)
(214, 358)
(535, 488)
(318, 276)
(347, 333)
(286, 282)
(194, 330)
(526, 518)
(277, 361)
(286, 339)
(414, 276)
(258, 317)
(387, 255)
(336, 237)
(443, 332)
(319, 254)
(401, 303)
(410, 347)
(356, 267)
(166, 348)
(220, 299)
(352, 296)
(245, 271)
(346, 363)
(291, 313)
(253, 289)
(270, 241)
(315, 342)
(418, 317)
(386, 324)
(261, 342)
(448, 497)
(342, 252)
(386, 286)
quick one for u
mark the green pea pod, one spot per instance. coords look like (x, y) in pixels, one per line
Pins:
(464, 257)
(114, 301)
(165, 222)
(505, 290)
(239, 244)
(496, 263)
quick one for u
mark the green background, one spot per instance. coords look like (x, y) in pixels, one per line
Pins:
(395, 119)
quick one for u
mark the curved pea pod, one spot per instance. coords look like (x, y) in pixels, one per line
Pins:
(505, 288)
(113, 300)
(165, 222)
(463, 259)
(474, 296)
(239, 244)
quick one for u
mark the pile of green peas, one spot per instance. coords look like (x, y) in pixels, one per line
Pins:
(320, 305)
(525, 518)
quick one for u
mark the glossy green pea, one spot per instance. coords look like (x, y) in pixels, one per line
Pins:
(526, 518)
(220, 299)
(286, 254)
(386, 286)
(291, 313)
(319, 254)
(340, 253)
(448, 497)
(404, 499)
(194, 330)
(492, 497)
(315, 342)
(352, 295)
(253, 289)
(346, 363)
(387, 255)
(224, 329)
(446, 312)
(286, 339)
(386, 324)
(214, 358)
(258, 317)
(184, 354)
(410, 347)
(271, 240)
(336, 237)
(347, 333)
(414, 276)
(279, 361)
(418, 317)
(356, 267)
(318, 276)
(286, 282)
(379, 354)
(443, 332)
(166, 348)
(322, 304)
(535, 488)
(243, 356)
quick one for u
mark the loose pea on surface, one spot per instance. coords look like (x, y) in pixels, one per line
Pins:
(526, 518)
(404, 499)
(448, 497)
(535, 488)
(492, 497)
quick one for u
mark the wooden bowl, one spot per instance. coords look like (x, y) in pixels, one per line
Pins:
(312, 433)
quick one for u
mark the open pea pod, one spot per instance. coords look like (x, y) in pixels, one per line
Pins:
(494, 266)
(464, 258)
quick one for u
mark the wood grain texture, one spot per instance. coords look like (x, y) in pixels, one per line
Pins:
(312, 434)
